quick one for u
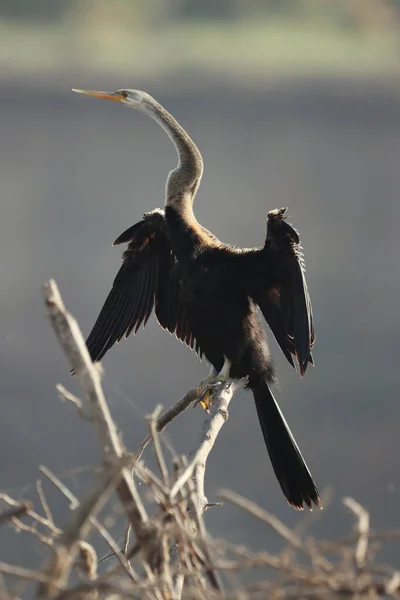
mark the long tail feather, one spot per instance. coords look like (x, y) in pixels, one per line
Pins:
(290, 468)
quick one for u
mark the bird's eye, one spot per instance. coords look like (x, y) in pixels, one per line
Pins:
(124, 95)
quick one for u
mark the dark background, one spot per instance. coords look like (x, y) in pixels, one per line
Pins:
(76, 172)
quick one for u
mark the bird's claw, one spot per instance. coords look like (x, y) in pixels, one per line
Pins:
(206, 400)
(206, 390)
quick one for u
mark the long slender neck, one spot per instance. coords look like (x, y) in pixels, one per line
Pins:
(183, 182)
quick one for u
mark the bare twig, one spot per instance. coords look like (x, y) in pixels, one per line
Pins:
(197, 511)
(43, 501)
(22, 573)
(360, 555)
(67, 395)
(152, 419)
(255, 510)
(33, 514)
(170, 415)
(78, 527)
(88, 559)
(32, 529)
(74, 503)
(17, 511)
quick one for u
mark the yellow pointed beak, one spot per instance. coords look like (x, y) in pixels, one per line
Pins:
(114, 96)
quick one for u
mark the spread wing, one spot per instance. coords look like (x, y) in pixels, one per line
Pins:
(281, 291)
(146, 280)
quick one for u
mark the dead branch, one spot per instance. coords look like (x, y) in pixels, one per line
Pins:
(43, 502)
(170, 415)
(73, 344)
(74, 503)
(175, 556)
(152, 420)
(32, 513)
(360, 555)
(211, 428)
(17, 511)
(78, 527)
(88, 558)
(22, 573)
(252, 508)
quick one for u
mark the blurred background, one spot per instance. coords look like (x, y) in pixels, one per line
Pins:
(293, 103)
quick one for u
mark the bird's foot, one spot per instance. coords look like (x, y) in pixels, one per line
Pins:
(206, 388)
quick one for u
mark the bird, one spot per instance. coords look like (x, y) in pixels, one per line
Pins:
(213, 295)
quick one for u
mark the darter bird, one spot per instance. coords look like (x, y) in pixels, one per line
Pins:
(210, 295)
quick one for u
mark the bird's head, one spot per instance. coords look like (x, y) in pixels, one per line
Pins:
(185, 179)
(131, 98)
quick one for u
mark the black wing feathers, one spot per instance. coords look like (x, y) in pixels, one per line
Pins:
(273, 314)
(300, 316)
(148, 279)
(167, 293)
(285, 303)
(145, 279)
(106, 323)
(169, 309)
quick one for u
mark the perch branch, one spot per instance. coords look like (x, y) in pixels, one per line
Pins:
(211, 428)
(194, 473)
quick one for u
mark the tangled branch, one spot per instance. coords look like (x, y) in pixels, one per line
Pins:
(172, 554)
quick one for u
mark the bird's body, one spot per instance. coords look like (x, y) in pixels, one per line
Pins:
(210, 295)
(223, 318)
